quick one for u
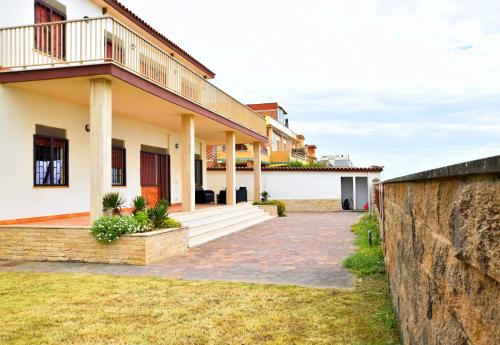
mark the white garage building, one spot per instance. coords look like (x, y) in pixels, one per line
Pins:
(307, 188)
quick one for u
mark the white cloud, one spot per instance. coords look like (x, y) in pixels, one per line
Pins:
(401, 69)
(366, 128)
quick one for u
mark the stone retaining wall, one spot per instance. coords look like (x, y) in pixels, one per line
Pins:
(312, 205)
(441, 238)
(76, 244)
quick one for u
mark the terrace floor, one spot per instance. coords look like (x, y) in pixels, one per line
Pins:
(85, 220)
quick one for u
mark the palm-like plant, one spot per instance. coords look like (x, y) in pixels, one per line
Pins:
(139, 204)
(264, 195)
(113, 203)
(158, 214)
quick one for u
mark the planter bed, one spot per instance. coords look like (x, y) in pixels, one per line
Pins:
(37, 243)
(271, 209)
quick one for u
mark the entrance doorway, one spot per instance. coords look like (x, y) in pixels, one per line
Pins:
(361, 193)
(354, 192)
(155, 174)
(346, 193)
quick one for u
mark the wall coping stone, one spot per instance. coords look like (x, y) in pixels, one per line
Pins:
(155, 232)
(490, 165)
(28, 226)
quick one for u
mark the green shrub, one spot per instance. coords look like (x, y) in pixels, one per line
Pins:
(300, 164)
(367, 259)
(158, 214)
(172, 223)
(297, 164)
(264, 196)
(143, 221)
(113, 203)
(281, 206)
(139, 204)
(108, 229)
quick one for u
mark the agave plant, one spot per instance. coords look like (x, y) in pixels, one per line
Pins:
(139, 204)
(158, 214)
(113, 203)
(264, 195)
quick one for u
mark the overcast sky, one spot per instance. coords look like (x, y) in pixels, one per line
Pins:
(410, 85)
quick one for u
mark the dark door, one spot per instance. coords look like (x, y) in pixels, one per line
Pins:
(164, 177)
(155, 177)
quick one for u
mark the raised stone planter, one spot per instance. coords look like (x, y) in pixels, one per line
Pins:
(271, 209)
(76, 244)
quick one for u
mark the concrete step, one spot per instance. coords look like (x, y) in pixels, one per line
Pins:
(224, 231)
(196, 230)
(218, 217)
(207, 212)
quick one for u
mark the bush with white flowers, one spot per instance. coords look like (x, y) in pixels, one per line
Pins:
(108, 229)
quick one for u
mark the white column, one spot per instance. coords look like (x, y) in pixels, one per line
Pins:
(354, 192)
(188, 163)
(257, 174)
(204, 164)
(100, 144)
(230, 168)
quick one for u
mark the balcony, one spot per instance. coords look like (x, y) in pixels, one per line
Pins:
(243, 155)
(105, 40)
(280, 127)
(287, 156)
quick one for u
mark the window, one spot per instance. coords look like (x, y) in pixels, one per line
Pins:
(50, 158)
(50, 38)
(241, 147)
(114, 48)
(118, 164)
(275, 142)
(190, 89)
(198, 171)
(153, 69)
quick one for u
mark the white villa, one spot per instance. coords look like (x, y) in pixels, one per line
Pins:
(96, 100)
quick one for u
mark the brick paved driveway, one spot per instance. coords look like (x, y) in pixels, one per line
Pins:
(303, 249)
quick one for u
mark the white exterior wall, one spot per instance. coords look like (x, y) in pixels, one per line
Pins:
(22, 110)
(291, 184)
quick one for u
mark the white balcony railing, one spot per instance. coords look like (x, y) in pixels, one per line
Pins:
(299, 156)
(104, 39)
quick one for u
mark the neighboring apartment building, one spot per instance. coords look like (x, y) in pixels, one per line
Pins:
(282, 147)
(95, 100)
(341, 160)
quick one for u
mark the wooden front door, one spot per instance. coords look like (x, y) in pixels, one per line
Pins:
(155, 177)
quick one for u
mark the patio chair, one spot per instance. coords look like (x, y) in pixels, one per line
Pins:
(202, 196)
(221, 197)
(241, 195)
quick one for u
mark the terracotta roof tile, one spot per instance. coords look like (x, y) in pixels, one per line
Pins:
(373, 168)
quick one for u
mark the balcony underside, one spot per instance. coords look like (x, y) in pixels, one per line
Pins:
(133, 97)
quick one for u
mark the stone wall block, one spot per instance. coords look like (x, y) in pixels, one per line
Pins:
(441, 242)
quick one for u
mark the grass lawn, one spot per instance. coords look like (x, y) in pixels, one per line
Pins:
(46, 308)
(367, 259)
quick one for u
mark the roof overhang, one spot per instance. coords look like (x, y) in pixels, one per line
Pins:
(110, 69)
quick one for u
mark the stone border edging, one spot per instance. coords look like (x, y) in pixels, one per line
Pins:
(490, 165)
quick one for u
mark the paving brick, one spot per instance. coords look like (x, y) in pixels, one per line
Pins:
(302, 249)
